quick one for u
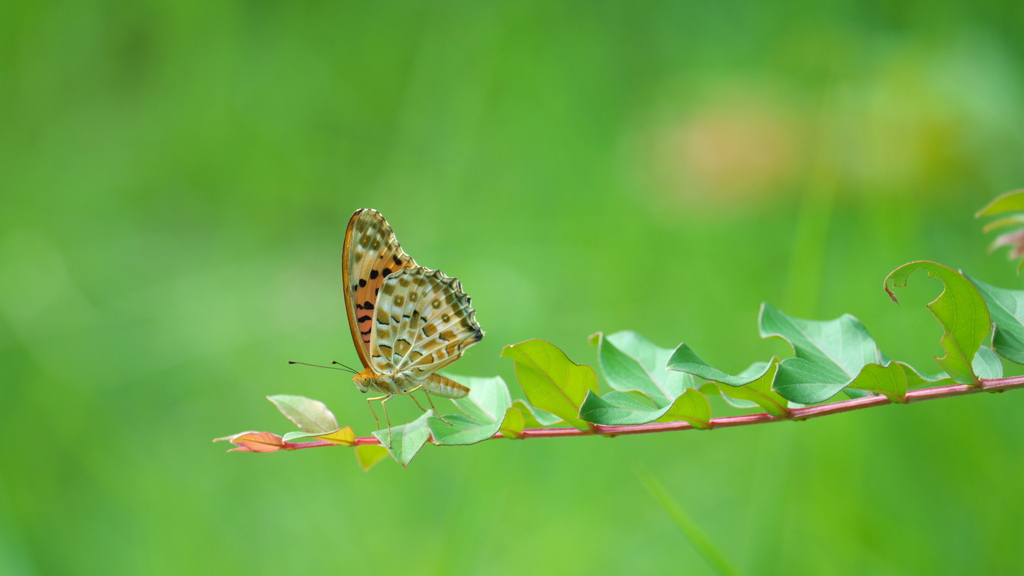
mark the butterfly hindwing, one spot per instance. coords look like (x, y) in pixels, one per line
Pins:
(371, 254)
(423, 321)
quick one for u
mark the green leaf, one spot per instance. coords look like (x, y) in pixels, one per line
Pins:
(343, 436)
(829, 354)
(300, 435)
(550, 380)
(488, 398)
(749, 389)
(513, 424)
(535, 417)
(987, 364)
(631, 362)
(890, 380)
(369, 454)
(405, 441)
(806, 382)
(692, 407)
(759, 391)
(629, 409)
(711, 389)
(1012, 220)
(484, 411)
(1007, 310)
(1009, 202)
(684, 359)
(840, 347)
(960, 310)
(309, 415)
(619, 409)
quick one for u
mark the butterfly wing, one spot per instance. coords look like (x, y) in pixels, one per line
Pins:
(371, 253)
(423, 322)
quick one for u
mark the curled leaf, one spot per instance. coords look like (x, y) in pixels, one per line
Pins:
(253, 441)
(960, 310)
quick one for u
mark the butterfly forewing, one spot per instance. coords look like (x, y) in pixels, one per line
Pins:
(422, 322)
(371, 254)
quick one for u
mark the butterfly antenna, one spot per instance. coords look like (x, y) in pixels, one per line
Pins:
(351, 369)
(319, 366)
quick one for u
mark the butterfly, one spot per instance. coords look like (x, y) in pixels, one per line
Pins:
(407, 321)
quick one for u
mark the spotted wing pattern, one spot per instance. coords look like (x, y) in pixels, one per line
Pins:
(423, 321)
(371, 254)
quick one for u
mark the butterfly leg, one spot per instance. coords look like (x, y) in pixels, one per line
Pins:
(369, 402)
(434, 408)
(418, 405)
(387, 419)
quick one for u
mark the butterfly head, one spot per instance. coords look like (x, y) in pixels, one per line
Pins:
(364, 380)
(368, 380)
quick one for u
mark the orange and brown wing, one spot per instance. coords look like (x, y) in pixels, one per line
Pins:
(423, 322)
(371, 254)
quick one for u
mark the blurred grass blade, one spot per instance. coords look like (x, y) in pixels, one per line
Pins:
(704, 546)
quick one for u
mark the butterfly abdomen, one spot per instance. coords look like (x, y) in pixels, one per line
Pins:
(444, 387)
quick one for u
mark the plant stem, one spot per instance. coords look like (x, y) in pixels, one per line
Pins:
(993, 386)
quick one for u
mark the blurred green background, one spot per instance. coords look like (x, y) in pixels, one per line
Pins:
(175, 179)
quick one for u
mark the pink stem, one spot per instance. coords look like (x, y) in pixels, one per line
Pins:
(920, 395)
